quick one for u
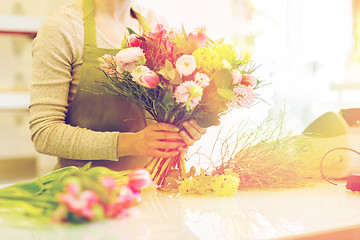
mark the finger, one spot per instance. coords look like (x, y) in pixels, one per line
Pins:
(201, 130)
(168, 145)
(193, 132)
(183, 150)
(164, 127)
(186, 138)
(162, 135)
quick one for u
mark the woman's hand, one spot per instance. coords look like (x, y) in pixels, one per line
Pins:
(155, 140)
(190, 134)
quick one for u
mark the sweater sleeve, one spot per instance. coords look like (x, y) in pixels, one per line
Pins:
(57, 58)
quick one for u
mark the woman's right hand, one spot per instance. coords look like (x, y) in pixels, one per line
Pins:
(155, 140)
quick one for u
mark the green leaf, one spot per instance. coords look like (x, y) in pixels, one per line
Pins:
(192, 46)
(168, 65)
(183, 31)
(130, 31)
(222, 78)
(168, 98)
(226, 93)
(181, 43)
(219, 41)
(167, 74)
(177, 79)
(207, 120)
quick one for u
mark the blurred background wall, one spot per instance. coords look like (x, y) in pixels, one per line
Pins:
(308, 50)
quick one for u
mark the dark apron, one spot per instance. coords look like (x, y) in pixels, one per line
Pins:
(102, 112)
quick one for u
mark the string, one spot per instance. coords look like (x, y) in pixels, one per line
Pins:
(322, 160)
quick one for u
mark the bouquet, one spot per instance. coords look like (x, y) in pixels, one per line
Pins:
(73, 195)
(178, 76)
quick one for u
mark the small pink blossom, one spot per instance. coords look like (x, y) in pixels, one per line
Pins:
(108, 182)
(186, 65)
(183, 94)
(244, 97)
(199, 37)
(132, 41)
(108, 65)
(202, 79)
(248, 80)
(236, 76)
(73, 188)
(127, 59)
(80, 204)
(158, 34)
(125, 198)
(149, 79)
(139, 179)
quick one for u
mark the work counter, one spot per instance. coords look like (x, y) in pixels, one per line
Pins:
(250, 214)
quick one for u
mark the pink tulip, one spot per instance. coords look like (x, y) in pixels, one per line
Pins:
(125, 198)
(108, 182)
(248, 80)
(236, 76)
(139, 179)
(149, 79)
(132, 41)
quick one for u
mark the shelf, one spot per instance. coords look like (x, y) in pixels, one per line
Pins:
(14, 101)
(19, 25)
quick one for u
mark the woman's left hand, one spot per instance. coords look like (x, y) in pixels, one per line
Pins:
(190, 134)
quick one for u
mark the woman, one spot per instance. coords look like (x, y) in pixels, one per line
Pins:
(76, 125)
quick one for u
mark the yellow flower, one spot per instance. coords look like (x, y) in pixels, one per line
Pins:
(207, 60)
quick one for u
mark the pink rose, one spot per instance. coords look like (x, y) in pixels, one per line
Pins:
(127, 59)
(132, 41)
(235, 76)
(248, 80)
(202, 80)
(186, 65)
(149, 79)
(139, 179)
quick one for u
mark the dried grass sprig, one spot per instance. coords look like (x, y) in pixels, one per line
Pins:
(267, 157)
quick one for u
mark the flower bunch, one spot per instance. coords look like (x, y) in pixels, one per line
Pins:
(75, 195)
(101, 199)
(176, 77)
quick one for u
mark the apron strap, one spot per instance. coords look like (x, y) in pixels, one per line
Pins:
(89, 23)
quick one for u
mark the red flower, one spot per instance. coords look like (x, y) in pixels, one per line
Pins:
(139, 179)
(132, 41)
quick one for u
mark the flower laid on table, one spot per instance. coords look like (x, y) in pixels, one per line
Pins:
(177, 77)
(75, 195)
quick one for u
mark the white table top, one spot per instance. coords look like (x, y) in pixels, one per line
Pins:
(247, 215)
